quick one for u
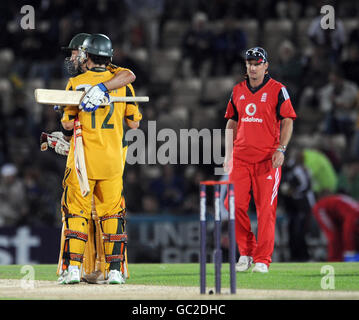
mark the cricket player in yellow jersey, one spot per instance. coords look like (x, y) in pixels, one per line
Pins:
(102, 132)
(75, 65)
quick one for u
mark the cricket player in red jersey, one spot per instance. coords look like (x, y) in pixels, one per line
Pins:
(260, 115)
(338, 217)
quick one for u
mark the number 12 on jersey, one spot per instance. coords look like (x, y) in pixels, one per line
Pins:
(105, 124)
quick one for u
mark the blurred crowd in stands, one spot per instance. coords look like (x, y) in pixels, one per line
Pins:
(186, 55)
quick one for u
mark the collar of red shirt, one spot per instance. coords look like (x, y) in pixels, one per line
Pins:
(265, 80)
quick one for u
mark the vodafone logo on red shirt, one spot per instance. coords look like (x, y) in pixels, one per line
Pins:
(251, 109)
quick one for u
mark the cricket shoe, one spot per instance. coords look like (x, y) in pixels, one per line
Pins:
(70, 277)
(260, 267)
(116, 277)
(244, 263)
(62, 276)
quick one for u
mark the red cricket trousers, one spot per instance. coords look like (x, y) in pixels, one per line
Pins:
(264, 181)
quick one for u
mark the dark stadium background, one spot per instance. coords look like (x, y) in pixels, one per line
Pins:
(187, 55)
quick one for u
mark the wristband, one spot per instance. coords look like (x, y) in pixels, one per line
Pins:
(281, 150)
(102, 87)
(67, 133)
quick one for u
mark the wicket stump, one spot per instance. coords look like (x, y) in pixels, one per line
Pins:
(217, 236)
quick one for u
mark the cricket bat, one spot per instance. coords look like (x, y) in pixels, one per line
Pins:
(79, 159)
(62, 243)
(73, 98)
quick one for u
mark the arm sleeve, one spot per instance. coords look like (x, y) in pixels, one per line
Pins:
(231, 112)
(132, 112)
(284, 107)
(115, 69)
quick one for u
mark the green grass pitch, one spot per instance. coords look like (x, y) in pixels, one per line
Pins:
(282, 276)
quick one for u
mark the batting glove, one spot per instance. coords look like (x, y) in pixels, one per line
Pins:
(94, 97)
(56, 141)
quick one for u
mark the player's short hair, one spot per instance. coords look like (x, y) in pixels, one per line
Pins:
(99, 59)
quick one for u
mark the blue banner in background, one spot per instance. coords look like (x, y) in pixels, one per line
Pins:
(151, 239)
(164, 238)
(29, 245)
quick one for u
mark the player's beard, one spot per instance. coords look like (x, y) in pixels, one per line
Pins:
(253, 77)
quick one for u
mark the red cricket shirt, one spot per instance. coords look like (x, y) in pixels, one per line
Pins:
(259, 113)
